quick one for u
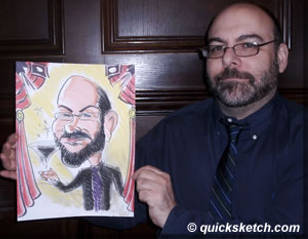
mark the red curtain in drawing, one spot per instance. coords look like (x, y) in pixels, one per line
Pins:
(125, 75)
(28, 76)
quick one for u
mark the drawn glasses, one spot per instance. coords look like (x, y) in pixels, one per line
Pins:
(244, 49)
(84, 116)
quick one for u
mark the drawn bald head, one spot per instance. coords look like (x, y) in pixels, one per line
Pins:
(83, 109)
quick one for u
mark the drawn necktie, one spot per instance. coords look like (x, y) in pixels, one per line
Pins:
(221, 192)
(97, 189)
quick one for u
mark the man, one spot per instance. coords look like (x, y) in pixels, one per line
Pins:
(193, 173)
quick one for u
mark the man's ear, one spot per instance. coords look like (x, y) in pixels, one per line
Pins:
(282, 55)
(110, 123)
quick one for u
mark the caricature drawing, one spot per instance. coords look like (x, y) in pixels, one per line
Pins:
(83, 122)
(78, 136)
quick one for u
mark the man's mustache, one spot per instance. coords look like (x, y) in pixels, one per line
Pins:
(75, 135)
(234, 73)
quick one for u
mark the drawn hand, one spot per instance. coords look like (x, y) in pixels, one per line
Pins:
(154, 188)
(50, 176)
(8, 157)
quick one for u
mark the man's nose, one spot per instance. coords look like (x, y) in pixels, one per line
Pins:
(230, 59)
(72, 126)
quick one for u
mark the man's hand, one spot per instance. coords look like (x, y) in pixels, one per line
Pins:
(154, 188)
(8, 157)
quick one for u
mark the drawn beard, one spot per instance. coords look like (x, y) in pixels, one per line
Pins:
(237, 94)
(77, 158)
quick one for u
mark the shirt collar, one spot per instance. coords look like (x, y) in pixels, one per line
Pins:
(256, 121)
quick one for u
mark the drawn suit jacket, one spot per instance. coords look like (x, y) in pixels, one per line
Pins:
(84, 178)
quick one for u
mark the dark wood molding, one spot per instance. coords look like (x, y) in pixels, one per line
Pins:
(298, 95)
(286, 22)
(7, 193)
(149, 101)
(161, 102)
(112, 42)
(7, 105)
(53, 45)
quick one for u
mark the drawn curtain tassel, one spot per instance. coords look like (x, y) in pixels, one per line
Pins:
(27, 189)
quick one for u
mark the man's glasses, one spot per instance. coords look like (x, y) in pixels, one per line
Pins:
(84, 116)
(244, 49)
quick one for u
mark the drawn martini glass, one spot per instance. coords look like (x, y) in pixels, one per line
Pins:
(44, 149)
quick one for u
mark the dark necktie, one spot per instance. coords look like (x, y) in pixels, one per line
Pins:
(97, 188)
(221, 192)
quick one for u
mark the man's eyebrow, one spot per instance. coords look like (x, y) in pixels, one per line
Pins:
(88, 106)
(249, 36)
(216, 39)
(65, 107)
(240, 38)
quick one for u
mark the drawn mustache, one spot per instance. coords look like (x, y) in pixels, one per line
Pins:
(75, 135)
(234, 73)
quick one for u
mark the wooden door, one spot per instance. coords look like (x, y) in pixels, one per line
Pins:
(161, 37)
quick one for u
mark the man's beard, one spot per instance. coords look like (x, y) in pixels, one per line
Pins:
(77, 158)
(237, 94)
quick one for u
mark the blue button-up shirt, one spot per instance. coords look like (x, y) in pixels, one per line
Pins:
(189, 144)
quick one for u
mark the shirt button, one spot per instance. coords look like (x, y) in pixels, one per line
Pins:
(254, 137)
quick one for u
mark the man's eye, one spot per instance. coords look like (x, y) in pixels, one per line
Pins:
(216, 48)
(249, 45)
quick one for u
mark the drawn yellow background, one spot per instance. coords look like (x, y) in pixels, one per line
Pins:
(39, 117)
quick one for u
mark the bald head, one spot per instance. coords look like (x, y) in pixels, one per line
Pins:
(243, 19)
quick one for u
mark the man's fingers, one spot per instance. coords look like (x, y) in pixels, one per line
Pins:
(150, 179)
(8, 157)
(8, 161)
(149, 169)
(155, 189)
(10, 144)
(8, 174)
(147, 184)
(146, 196)
(13, 138)
(6, 149)
(151, 173)
(145, 174)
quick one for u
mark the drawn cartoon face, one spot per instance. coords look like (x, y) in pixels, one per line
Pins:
(77, 120)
